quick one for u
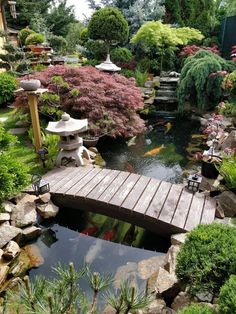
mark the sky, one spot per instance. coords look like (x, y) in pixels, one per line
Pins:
(81, 8)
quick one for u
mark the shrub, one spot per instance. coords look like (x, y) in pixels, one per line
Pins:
(35, 38)
(227, 297)
(58, 43)
(227, 169)
(201, 79)
(140, 77)
(227, 109)
(121, 54)
(110, 101)
(229, 83)
(191, 50)
(127, 73)
(13, 176)
(95, 50)
(197, 309)
(6, 139)
(24, 33)
(207, 258)
(8, 85)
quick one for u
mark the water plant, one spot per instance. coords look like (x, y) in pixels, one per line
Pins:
(202, 264)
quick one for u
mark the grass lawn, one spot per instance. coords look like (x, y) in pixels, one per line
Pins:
(5, 112)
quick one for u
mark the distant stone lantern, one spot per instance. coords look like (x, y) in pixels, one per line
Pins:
(71, 144)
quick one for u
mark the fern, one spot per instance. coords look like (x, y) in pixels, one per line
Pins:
(196, 83)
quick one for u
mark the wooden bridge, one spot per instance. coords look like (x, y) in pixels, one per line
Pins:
(158, 206)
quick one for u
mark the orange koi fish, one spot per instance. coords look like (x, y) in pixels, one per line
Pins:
(110, 235)
(168, 126)
(154, 151)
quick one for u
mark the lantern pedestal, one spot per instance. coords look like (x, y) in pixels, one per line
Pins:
(76, 154)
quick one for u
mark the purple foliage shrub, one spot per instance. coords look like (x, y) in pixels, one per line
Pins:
(109, 102)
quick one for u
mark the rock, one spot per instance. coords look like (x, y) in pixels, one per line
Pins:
(219, 212)
(204, 297)
(156, 306)
(20, 265)
(47, 210)
(31, 232)
(24, 214)
(7, 233)
(92, 154)
(230, 141)
(178, 239)
(34, 255)
(166, 284)
(226, 201)
(109, 310)
(45, 198)
(181, 300)
(1, 253)
(11, 284)
(93, 149)
(125, 272)
(168, 310)
(8, 206)
(149, 84)
(11, 251)
(4, 217)
(171, 259)
(3, 274)
(25, 198)
(149, 266)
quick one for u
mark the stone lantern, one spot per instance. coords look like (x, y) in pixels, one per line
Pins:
(71, 145)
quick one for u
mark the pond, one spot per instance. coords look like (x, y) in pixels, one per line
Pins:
(107, 244)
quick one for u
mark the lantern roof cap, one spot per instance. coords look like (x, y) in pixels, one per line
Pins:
(108, 66)
(67, 126)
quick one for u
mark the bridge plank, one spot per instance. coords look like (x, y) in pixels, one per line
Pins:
(78, 175)
(111, 190)
(83, 181)
(155, 207)
(64, 179)
(195, 212)
(104, 184)
(93, 183)
(208, 214)
(171, 203)
(124, 190)
(135, 193)
(182, 209)
(146, 198)
(58, 176)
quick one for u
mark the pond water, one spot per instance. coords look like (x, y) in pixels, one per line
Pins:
(107, 244)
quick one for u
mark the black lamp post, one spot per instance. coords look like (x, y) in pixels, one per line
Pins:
(42, 155)
(194, 182)
(39, 186)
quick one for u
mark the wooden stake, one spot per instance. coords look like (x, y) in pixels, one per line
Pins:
(33, 104)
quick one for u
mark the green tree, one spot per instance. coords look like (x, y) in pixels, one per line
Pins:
(191, 13)
(73, 36)
(108, 25)
(163, 37)
(60, 18)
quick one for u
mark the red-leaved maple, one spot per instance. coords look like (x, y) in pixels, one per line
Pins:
(109, 101)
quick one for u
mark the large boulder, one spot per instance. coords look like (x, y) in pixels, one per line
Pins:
(7, 233)
(226, 201)
(149, 266)
(24, 214)
(4, 217)
(178, 239)
(230, 141)
(11, 251)
(156, 306)
(34, 255)
(48, 210)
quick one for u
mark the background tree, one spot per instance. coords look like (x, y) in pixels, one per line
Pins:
(109, 25)
(73, 36)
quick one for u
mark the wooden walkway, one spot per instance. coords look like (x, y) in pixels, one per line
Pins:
(158, 206)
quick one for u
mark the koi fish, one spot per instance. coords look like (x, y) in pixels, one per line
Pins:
(154, 151)
(110, 234)
(93, 252)
(131, 142)
(168, 126)
(90, 231)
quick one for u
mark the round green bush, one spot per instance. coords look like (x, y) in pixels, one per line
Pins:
(24, 33)
(197, 309)
(207, 258)
(121, 54)
(58, 43)
(95, 50)
(34, 39)
(13, 176)
(227, 298)
(8, 85)
(108, 24)
(84, 36)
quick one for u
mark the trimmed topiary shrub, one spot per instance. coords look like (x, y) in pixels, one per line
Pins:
(8, 85)
(121, 54)
(227, 298)
(197, 309)
(207, 258)
(24, 33)
(58, 43)
(109, 102)
(34, 39)
(13, 176)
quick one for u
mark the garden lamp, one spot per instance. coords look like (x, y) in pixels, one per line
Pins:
(39, 186)
(12, 8)
(42, 155)
(194, 182)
